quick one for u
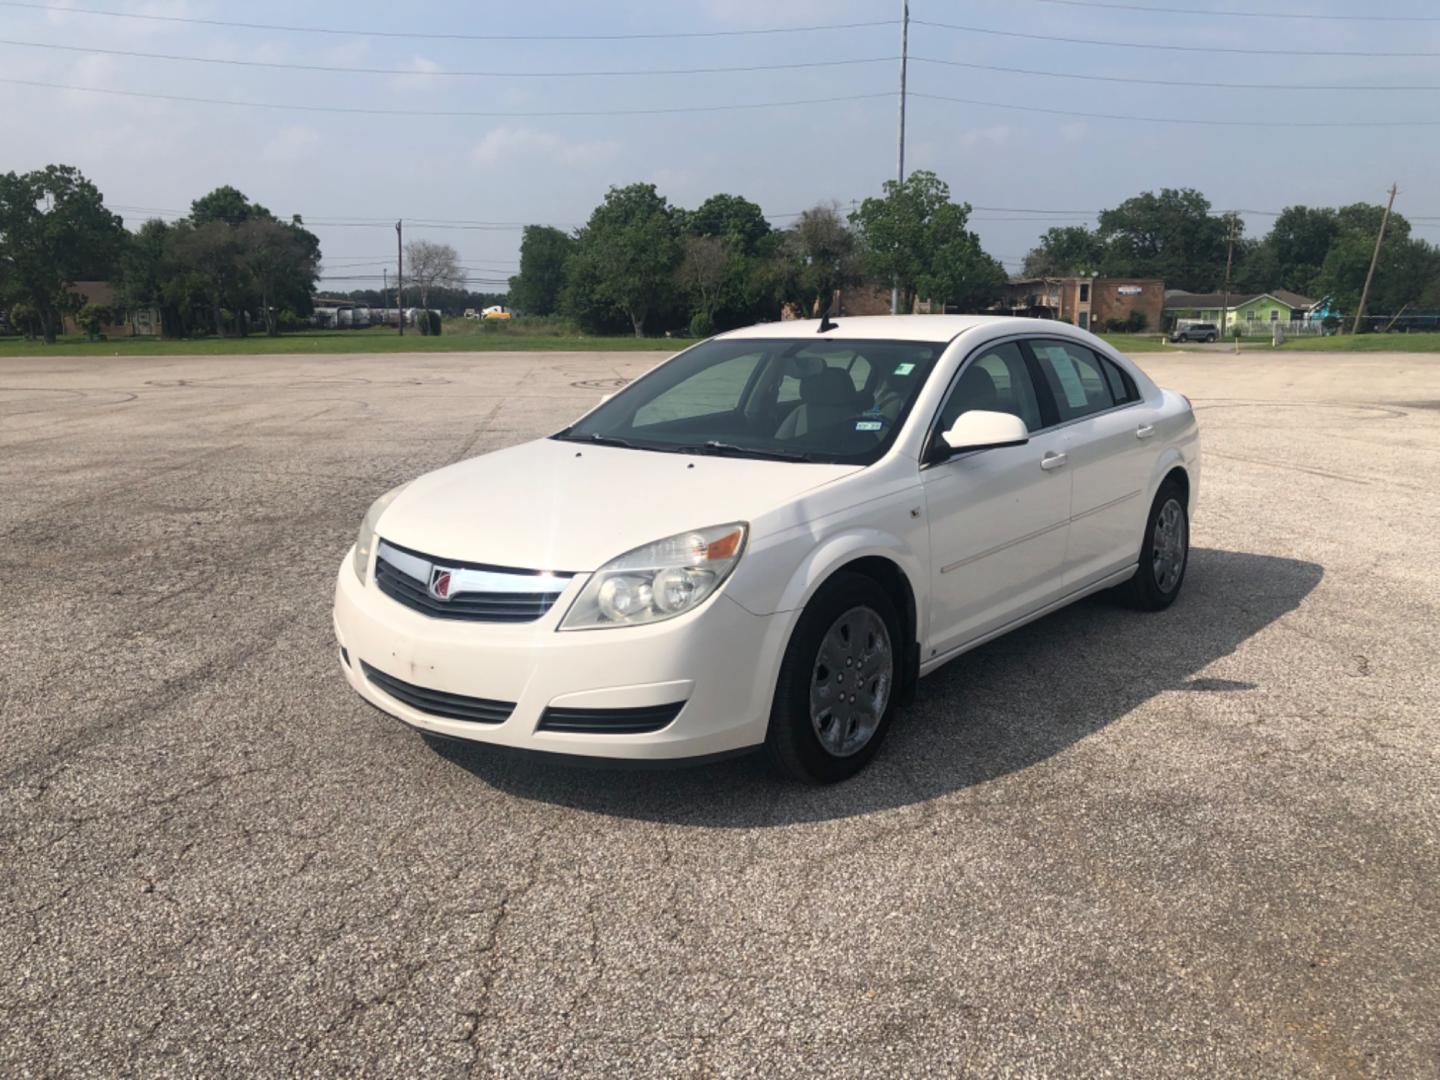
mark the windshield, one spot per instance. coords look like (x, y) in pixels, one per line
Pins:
(787, 399)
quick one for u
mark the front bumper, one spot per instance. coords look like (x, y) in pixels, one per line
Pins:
(720, 661)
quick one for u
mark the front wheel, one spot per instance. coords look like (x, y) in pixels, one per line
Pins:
(836, 691)
(1164, 553)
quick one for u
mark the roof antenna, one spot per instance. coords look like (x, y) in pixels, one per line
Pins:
(825, 324)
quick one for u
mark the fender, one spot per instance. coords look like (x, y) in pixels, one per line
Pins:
(1169, 459)
(1183, 452)
(819, 560)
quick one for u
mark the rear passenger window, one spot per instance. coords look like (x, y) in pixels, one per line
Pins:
(1122, 387)
(1077, 379)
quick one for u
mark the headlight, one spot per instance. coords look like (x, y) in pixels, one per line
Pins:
(658, 581)
(365, 542)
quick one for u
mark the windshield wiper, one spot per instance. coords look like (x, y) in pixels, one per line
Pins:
(715, 446)
(603, 440)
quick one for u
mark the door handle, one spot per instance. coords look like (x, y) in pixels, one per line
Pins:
(1144, 431)
(1053, 460)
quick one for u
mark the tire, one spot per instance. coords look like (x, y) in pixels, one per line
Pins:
(816, 735)
(1210, 340)
(1161, 573)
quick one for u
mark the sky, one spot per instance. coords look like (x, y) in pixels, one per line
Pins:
(476, 178)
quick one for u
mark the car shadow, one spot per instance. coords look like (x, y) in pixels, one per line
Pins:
(1007, 705)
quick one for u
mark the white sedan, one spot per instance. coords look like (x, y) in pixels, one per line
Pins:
(767, 539)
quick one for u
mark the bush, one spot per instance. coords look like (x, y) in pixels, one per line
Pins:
(432, 323)
(25, 319)
(91, 317)
(701, 325)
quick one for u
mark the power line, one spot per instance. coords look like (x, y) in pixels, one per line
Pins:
(340, 69)
(1205, 85)
(414, 36)
(496, 115)
(1185, 120)
(1152, 45)
(1230, 13)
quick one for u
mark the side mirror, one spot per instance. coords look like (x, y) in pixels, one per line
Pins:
(979, 429)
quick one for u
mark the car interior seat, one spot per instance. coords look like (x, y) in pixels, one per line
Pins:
(826, 398)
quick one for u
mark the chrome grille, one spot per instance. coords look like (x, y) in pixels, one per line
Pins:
(476, 592)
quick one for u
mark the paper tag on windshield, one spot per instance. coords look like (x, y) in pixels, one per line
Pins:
(868, 425)
(904, 369)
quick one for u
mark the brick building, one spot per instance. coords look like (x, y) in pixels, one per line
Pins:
(1087, 302)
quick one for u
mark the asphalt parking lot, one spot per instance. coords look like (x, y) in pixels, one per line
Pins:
(1196, 843)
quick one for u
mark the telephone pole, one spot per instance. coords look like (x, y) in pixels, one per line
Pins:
(1375, 258)
(900, 157)
(1229, 259)
(400, 274)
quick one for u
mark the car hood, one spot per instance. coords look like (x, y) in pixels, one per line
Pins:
(565, 506)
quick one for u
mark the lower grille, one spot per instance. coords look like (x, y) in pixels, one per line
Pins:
(611, 721)
(438, 702)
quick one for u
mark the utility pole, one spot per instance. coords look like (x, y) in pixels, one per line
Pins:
(400, 274)
(900, 157)
(384, 286)
(1375, 258)
(1229, 259)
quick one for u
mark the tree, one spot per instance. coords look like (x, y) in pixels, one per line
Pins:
(1407, 267)
(543, 253)
(210, 256)
(818, 257)
(54, 230)
(627, 254)
(703, 271)
(226, 204)
(1063, 251)
(1171, 236)
(745, 294)
(1291, 255)
(917, 238)
(959, 272)
(144, 266)
(278, 262)
(431, 265)
(731, 218)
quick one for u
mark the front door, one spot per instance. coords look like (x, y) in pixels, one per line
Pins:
(998, 518)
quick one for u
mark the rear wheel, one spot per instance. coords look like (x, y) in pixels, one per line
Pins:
(836, 691)
(1211, 339)
(1164, 553)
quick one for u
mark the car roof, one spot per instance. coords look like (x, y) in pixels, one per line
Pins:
(933, 328)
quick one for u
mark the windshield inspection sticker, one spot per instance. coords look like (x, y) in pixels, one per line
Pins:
(904, 369)
(868, 425)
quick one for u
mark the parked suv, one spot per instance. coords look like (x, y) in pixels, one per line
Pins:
(1196, 332)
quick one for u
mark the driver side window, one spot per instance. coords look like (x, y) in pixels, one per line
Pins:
(996, 381)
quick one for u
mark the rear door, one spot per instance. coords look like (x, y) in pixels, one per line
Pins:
(1111, 447)
(998, 518)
